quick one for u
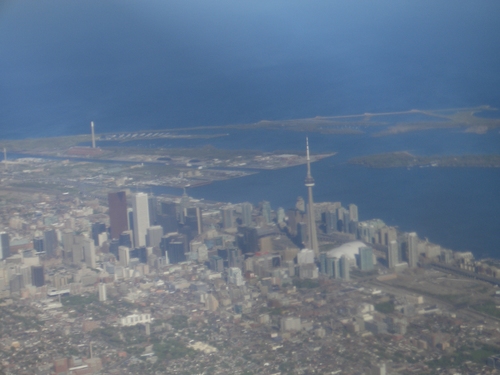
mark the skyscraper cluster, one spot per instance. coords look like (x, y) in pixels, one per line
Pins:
(147, 232)
(152, 231)
(170, 231)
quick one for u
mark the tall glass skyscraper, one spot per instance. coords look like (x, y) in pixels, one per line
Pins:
(4, 245)
(246, 213)
(118, 220)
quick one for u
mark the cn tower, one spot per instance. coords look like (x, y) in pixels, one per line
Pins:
(311, 218)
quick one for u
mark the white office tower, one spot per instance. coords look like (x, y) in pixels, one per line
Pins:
(412, 242)
(392, 254)
(89, 252)
(102, 292)
(124, 255)
(93, 135)
(353, 212)
(280, 215)
(305, 256)
(235, 276)
(311, 217)
(140, 205)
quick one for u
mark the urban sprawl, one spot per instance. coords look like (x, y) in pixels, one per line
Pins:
(131, 283)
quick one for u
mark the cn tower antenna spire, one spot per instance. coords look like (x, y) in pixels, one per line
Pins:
(308, 158)
(311, 217)
(309, 178)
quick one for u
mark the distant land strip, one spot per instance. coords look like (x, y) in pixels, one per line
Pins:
(407, 160)
(345, 124)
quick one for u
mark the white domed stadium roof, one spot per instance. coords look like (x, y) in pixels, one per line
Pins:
(349, 249)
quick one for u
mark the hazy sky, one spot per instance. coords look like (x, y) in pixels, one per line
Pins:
(175, 63)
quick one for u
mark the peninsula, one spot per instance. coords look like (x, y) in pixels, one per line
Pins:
(405, 159)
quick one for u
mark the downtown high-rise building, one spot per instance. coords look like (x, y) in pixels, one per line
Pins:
(234, 257)
(235, 276)
(412, 246)
(329, 266)
(183, 205)
(266, 211)
(37, 244)
(127, 239)
(97, 229)
(50, 243)
(153, 209)
(140, 206)
(130, 218)
(333, 267)
(322, 263)
(311, 217)
(37, 276)
(280, 215)
(194, 220)
(353, 212)
(392, 254)
(216, 263)
(118, 220)
(89, 252)
(154, 235)
(174, 246)
(227, 217)
(102, 292)
(330, 221)
(168, 217)
(124, 256)
(365, 256)
(386, 235)
(345, 267)
(4, 245)
(246, 213)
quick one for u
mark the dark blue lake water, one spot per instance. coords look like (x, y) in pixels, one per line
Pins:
(454, 207)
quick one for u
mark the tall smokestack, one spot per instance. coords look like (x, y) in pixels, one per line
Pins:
(93, 135)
